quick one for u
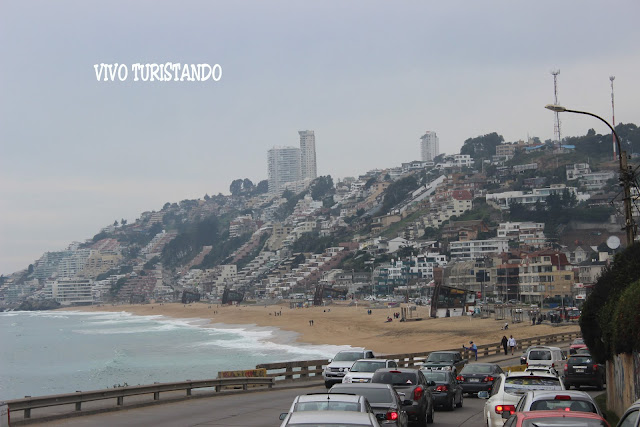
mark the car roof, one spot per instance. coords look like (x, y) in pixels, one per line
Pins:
(530, 374)
(342, 417)
(367, 385)
(574, 394)
(374, 360)
(446, 351)
(545, 347)
(404, 370)
(341, 397)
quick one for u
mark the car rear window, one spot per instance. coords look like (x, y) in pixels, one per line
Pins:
(348, 356)
(525, 383)
(435, 376)
(539, 355)
(440, 357)
(327, 406)
(580, 360)
(566, 405)
(563, 422)
(477, 369)
(367, 366)
(395, 378)
(373, 395)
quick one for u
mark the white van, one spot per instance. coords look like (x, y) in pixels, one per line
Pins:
(549, 357)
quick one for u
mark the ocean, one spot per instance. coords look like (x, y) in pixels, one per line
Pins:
(52, 352)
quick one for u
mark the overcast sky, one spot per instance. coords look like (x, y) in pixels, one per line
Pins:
(369, 77)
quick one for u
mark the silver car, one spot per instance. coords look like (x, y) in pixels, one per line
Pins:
(326, 402)
(566, 400)
(338, 418)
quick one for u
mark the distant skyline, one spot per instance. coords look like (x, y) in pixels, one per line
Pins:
(369, 77)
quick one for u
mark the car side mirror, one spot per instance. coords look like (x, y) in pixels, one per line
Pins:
(330, 360)
(483, 394)
(283, 415)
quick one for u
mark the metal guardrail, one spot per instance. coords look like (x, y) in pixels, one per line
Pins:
(303, 370)
(29, 403)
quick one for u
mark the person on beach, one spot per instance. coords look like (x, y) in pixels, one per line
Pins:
(512, 343)
(505, 343)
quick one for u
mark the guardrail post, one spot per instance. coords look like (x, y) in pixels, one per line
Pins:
(289, 367)
(27, 413)
(78, 406)
(120, 400)
(188, 392)
(156, 395)
(245, 386)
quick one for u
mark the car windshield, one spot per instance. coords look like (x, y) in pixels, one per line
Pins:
(348, 356)
(440, 357)
(477, 369)
(579, 360)
(521, 384)
(327, 405)
(395, 378)
(565, 405)
(373, 395)
(439, 377)
(539, 355)
(578, 341)
(363, 366)
(564, 421)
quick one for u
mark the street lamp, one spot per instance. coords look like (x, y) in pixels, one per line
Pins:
(626, 176)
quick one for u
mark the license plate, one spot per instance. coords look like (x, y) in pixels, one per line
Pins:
(579, 371)
(474, 380)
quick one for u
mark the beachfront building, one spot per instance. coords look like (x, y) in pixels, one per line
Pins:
(474, 249)
(545, 274)
(69, 291)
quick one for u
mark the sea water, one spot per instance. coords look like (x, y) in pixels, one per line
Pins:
(54, 352)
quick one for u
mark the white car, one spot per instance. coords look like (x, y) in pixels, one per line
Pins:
(327, 402)
(507, 391)
(567, 400)
(362, 370)
(341, 364)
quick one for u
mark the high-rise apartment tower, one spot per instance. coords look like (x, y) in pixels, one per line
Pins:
(429, 146)
(308, 167)
(283, 167)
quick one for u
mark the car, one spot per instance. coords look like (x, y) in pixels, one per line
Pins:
(326, 402)
(363, 369)
(446, 391)
(341, 363)
(539, 355)
(416, 389)
(508, 389)
(445, 360)
(631, 417)
(332, 418)
(523, 358)
(577, 344)
(582, 370)
(476, 377)
(544, 400)
(387, 405)
(555, 418)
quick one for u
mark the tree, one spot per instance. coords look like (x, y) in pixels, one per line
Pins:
(482, 146)
(123, 222)
(247, 185)
(206, 197)
(263, 186)
(236, 187)
(115, 223)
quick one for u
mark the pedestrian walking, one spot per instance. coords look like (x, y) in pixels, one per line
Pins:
(512, 343)
(504, 342)
(473, 348)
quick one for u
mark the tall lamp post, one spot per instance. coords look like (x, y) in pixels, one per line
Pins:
(626, 176)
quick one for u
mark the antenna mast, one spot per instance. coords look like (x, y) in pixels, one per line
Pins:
(556, 126)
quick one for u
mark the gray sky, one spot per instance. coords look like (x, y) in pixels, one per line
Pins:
(370, 77)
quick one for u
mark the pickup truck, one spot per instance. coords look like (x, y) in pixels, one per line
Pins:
(341, 364)
(445, 361)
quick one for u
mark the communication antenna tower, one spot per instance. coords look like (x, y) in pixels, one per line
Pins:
(556, 126)
(613, 114)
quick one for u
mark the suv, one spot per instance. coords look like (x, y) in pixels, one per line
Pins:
(581, 369)
(363, 369)
(415, 387)
(546, 356)
(341, 363)
(445, 361)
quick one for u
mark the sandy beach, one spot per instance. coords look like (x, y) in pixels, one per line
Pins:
(349, 325)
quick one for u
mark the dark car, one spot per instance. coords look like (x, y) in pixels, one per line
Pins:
(384, 400)
(445, 361)
(582, 370)
(476, 377)
(446, 391)
(413, 384)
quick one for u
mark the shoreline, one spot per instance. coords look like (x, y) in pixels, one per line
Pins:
(342, 325)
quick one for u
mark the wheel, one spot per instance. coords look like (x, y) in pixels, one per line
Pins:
(451, 405)
(459, 405)
(430, 414)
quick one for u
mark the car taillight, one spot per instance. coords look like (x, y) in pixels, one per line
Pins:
(459, 378)
(442, 388)
(553, 365)
(566, 367)
(392, 416)
(595, 367)
(562, 397)
(504, 408)
(417, 393)
(488, 379)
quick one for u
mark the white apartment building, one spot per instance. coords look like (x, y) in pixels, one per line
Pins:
(526, 233)
(423, 265)
(429, 146)
(505, 199)
(70, 291)
(596, 180)
(473, 249)
(308, 167)
(462, 160)
(283, 167)
(577, 170)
